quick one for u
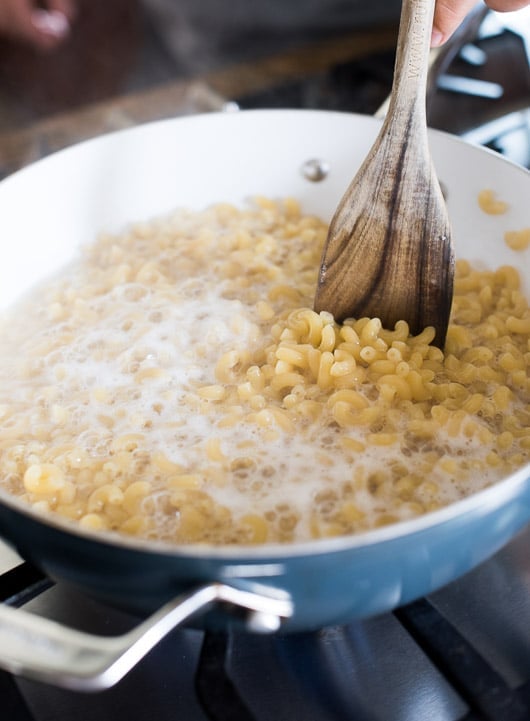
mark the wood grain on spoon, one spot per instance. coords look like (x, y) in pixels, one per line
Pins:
(389, 252)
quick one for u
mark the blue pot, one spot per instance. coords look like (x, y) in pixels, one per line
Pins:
(297, 587)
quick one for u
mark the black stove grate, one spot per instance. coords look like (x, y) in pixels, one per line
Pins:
(216, 692)
(484, 692)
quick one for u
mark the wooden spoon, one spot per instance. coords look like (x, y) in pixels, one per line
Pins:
(389, 251)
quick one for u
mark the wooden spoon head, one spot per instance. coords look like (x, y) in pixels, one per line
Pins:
(389, 252)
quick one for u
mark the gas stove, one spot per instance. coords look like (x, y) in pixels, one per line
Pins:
(462, 654)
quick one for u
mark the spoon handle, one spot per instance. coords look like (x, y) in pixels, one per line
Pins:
(409, 89)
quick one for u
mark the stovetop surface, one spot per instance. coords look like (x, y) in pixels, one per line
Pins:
(387, 668)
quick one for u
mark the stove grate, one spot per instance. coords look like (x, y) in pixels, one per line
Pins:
(216, 692)
(22, 583)
(484, 692)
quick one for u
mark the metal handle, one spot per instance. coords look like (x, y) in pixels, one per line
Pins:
(44, 650)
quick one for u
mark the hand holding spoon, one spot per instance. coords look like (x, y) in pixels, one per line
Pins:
(389, 251)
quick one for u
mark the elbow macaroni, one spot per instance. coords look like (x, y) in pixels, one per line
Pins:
(175, 384)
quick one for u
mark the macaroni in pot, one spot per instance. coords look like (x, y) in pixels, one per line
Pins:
(174, 383)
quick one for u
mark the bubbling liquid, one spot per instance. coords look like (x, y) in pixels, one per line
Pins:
(174, 383)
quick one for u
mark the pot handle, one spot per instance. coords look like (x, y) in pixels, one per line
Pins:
(44, 650)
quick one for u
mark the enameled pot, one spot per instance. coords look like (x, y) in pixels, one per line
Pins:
(49, 209)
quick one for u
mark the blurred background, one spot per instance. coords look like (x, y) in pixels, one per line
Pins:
(129, 61)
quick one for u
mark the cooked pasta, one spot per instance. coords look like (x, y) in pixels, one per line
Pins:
(174, 384)
(518, 239)
(490, 204)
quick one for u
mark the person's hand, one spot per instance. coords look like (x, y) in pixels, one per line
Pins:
(43, 25)
(448, 15)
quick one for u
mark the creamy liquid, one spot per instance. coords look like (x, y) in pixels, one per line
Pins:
(80, 378)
